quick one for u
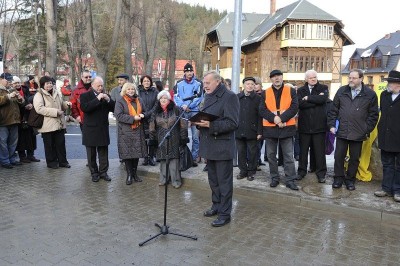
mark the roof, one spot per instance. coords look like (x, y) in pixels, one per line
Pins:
(224, 28)
(389, 45)
(300, 10)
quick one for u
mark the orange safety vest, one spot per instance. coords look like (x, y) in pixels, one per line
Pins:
(270, 102)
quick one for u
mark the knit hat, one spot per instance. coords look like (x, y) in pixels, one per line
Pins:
(188, 67)
(249, 78)
(164, 93)
(7, 76)
(16, 79)
(30, 77)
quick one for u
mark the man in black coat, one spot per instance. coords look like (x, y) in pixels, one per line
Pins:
(95, 135)
(355, 106)
(217, 144)
(389, 137)
(312, 124)
(249, 130)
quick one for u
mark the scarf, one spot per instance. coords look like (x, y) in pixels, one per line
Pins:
(132, 110)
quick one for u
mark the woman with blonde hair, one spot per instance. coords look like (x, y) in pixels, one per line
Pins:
(131, 138)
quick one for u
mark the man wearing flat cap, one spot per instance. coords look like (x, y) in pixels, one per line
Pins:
(278, 109)
(115, 93)
(388, 137)
(249, 130)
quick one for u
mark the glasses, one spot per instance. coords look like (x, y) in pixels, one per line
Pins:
(87, 77)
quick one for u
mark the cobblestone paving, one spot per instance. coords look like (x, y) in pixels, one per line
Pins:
(60, 217)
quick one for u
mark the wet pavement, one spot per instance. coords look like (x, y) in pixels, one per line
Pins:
(60, 217)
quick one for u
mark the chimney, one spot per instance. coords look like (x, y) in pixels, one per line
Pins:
(272, 7)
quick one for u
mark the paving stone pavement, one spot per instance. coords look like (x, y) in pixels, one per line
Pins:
(60, 217)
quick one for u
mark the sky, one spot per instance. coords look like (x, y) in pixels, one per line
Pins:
(364, 21)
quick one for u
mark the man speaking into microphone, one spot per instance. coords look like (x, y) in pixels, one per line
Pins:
(188, 96)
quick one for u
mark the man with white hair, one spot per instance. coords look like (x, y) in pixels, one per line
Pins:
(10, 102)
(96, 105)
(312, 125)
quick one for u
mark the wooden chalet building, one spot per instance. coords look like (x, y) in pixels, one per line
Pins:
(377, 60)
(219, 40)
(294, 39)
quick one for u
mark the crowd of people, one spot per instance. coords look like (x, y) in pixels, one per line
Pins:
(293, 124)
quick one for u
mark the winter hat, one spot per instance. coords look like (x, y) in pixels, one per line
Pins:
(188, 67)
(164, 93)
(16, 79)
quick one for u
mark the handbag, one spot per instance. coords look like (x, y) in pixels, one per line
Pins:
(185, 158)
(35, 120)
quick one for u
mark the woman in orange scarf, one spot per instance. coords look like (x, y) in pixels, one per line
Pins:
(129, 113)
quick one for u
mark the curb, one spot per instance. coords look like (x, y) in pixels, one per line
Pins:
(276, 197)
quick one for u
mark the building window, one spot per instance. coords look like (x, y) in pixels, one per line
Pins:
(303, 31)
(324, 32)
(382, 78)
(286, 29)
(370, 80)
(255, 65)
(298, 32)
(292, 31)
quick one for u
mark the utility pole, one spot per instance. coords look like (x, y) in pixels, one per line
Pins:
(237, 43)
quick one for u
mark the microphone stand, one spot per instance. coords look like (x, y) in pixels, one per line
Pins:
(164, 228)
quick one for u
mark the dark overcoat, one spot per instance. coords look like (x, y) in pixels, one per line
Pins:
(357, 117)
(389, 123)
(131, 142)
(161, 123)
(312, 116)
(250, 122)
(218, 141)
(95, 126)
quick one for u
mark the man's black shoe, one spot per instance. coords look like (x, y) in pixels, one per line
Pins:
(210, 212)
(7, 166)
(205, 169)
(194, 164)
(337, 183)
(239, 176)
(349, 185)
(106, 177)
(16, 163)
(65, 165)
(321, 179)
(95, 178)
(292, 186)
(274, 183)
(300, 177)
(250, 178)
(261, 163)
(220, 222)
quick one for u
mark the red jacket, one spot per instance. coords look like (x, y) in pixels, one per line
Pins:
(75, 100)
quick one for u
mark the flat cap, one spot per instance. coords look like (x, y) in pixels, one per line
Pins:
(275, 72)
(123, 76)
(249, 78)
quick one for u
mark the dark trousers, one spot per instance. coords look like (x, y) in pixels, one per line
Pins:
(220, 178)
(391, 172)
(247, 156)
(317, 141)
(354, 147)
(92, 152)
(54, 148)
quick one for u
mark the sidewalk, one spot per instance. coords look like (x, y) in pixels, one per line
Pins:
(359, 203)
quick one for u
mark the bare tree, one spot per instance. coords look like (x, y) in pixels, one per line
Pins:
(51, 34)
(74, 26)
(130, 16)
(103, 54)
(148, 50)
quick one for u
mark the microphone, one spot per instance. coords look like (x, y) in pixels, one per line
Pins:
(195, 95)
